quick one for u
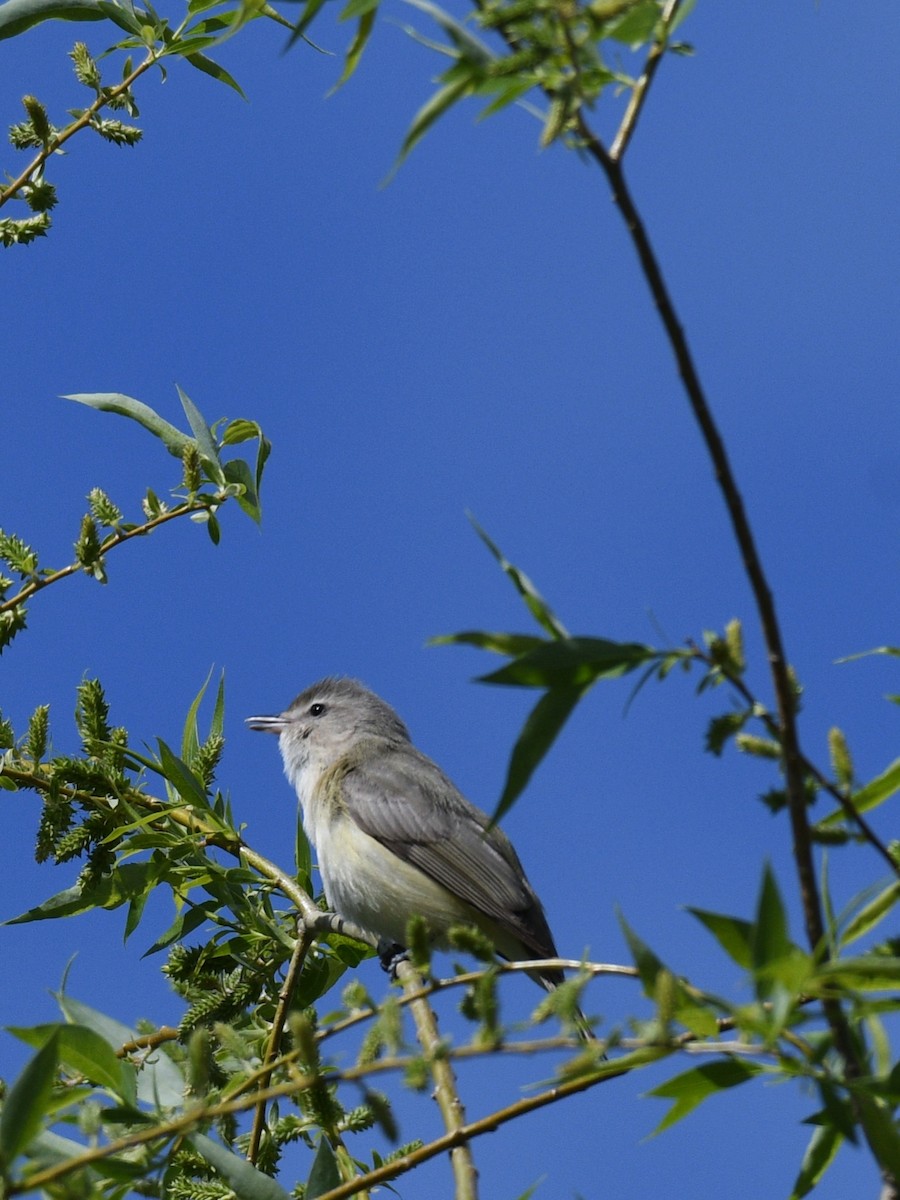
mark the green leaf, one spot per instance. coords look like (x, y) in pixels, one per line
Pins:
(733, 935)
(538, 734)
(537, 605)
(242, 1177)
(237, 471)
(173, 439)
(159, 1081)
(469, 45)
(770, 941)
(190, 741)
(182, 777)
(647, 963)
(310, 9)
(27, 1101)
(869, 916)
(18, 15)
(357, 8)
(691, 1088)
(88, 1053)
(433, 108)
(875, 792)
(866, 973)
(360, 40)
(324, 1174)
(572, 662)
(185, 923)
(724, 727)
(242, 430)
(823, 1146)
(511, 644)
(121, 885)
(215, 71)
(202, 435)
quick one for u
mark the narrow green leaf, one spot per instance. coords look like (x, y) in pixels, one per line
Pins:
(190, 741)
(202, 435)
(217, 724)
(357, 8)
(869, 916)
(433, 108)
(647, 963)
(823, 1146)
(770, 940)
(27, 1101)
(512, 644)
(242, 1177)
(474, 50)
(173, 439)
(18, 15)
(691, 1088)
(537, 605)
(181, 777)
(360, 40)
(215, 71)
(874, 972)
(875, 792)
(324, 1174)
(538, 734)
(185, 923)
(310, 9)
(733, 935)
(572, 662)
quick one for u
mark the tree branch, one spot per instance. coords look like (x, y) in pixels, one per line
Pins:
(642, 87)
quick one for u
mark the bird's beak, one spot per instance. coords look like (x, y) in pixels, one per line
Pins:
(266, 724)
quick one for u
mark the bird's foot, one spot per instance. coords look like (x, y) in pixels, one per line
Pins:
(390, 955)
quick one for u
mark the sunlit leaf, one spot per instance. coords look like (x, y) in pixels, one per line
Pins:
(691, 1088)
(572, 662)
(734, 935)
(173, 439)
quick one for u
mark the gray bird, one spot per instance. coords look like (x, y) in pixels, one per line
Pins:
(394, 837)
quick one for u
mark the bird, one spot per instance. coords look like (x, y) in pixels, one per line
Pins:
(394, 837)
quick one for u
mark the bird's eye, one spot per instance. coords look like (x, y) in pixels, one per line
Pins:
(316, 710)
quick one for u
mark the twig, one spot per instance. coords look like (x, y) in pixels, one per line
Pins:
(446, 1093)
(465, 1133)
(844, 801)
(60, 139)
(642, 87)
(301, 947)
(118, 538)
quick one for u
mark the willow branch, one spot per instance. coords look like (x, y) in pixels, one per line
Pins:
(59, 139)
(301, 948)
(446, 1093)
(118, 538)
(642, 87)
(843, 799)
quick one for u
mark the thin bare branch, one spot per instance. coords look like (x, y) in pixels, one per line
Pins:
(642, 87)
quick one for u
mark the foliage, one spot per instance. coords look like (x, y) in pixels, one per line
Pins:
(209, 1108)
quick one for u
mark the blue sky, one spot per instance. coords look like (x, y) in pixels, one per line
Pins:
(476, 336)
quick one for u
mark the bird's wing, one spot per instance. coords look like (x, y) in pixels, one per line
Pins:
(403, 800)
